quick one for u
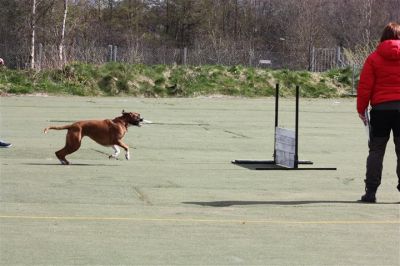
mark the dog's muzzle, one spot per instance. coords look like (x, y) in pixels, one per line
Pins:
(138, 122)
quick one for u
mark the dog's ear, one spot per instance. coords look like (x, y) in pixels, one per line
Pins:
(123, 111)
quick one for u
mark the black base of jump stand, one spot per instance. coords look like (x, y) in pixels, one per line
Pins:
(272, 164)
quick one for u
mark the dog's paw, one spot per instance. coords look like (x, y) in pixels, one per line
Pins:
(64, 162)
(112, 156)
(127, 156)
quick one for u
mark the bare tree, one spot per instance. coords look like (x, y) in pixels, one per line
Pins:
(33, 24)
(61, 46)
(220, 30)
(367, 11)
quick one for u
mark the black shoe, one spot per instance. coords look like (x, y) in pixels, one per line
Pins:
(5, 145)
(368, 197)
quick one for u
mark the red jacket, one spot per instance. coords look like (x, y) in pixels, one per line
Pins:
(380, 76)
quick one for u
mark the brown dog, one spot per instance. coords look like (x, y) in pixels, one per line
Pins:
(105, 132)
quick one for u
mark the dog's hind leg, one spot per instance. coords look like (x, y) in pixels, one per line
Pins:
(117, 151)
(61, 156)
(72, 144)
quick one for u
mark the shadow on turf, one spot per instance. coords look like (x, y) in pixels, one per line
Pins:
(72, 164)
(288, 203)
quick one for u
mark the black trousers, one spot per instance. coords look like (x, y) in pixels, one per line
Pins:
(382, 123)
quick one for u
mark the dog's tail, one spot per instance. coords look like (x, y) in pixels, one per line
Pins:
(56, 128)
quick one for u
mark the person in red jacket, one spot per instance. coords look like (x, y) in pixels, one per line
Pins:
(379, 86)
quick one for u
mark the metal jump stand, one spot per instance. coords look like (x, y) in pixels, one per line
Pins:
(274, 164)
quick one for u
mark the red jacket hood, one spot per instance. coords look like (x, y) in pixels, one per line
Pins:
(389, 49)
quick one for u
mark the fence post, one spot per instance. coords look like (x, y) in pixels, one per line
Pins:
(251, 57)
(338, 57)
(353, 80)
(110, 53)
(312, 61)
(164, 54)
(184, 55)
(40, 56)
(115, 53)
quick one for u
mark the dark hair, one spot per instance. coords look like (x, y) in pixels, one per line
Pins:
(391, 32)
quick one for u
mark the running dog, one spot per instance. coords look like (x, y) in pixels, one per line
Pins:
(105, 132)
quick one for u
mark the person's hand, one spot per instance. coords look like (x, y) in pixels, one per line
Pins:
(363, 118)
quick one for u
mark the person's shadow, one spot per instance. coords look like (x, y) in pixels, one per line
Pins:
(229, 203)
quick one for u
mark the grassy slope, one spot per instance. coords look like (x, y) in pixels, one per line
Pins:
(177, 81)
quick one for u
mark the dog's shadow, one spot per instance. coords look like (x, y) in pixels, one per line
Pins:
(230, 203)
(72, 164)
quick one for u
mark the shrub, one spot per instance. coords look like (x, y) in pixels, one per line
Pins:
(176, 80)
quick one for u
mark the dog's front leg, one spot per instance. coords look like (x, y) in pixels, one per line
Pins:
(126, 148)
(117, 151)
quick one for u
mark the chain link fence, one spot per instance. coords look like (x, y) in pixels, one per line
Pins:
(47, 56)
(315, 59)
